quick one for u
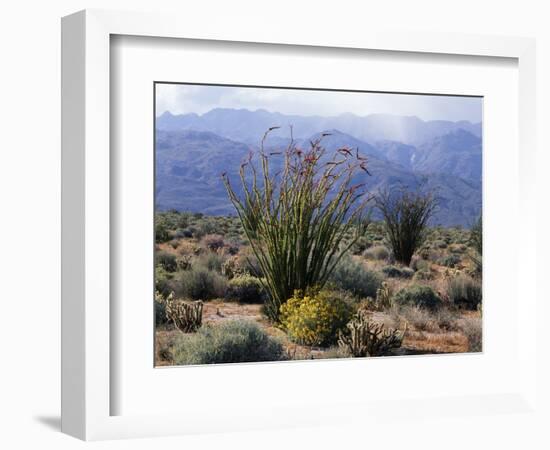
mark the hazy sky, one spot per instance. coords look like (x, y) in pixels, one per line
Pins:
(181, 99)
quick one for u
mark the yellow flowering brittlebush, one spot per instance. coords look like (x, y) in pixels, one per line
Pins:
(314, 319)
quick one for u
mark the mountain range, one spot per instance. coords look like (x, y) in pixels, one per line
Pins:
(446, 157)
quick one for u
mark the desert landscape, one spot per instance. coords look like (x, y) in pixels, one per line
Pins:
(299, 237)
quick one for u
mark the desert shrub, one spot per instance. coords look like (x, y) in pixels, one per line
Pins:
(417, 295)
(161, 232)
(472, 328)
(449, 261)
(299, 213)
(476, 242)
(160, 309)
(166, 260)
(364, 338)
(247, 262)
(314, 319)
(184, 233)
(397, 272)
(184, 262)
(231, 248)
(440, 244)
(193, 231)
(206, 226)
(418, 263)
(163, 281)
(447, 320)
(421, 318)
(213, 242)
(458, 248)
(423, 275)
(352, 276)
(211, 261)
(384, 296)
(464, 292)
(199, 283)
(406, 215)
(378, 252)
(246, 289)
(360, 245)
(180, 233)
(234, 341)
(476, 236)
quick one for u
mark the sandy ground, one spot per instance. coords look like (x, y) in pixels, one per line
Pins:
(415, 342)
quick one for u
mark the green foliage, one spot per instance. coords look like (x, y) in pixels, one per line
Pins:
(465, 292)
(160, 310)
(246, 261)
(418, 295)
(352, 276)
(364, 338)
(163, 280)
(296, 220)
(476, 236)
(406, 216)
(440, 244)
(161, 233)
(211, 261)
(213, 242)
(234, 341)
(166, 260)
(378, 252)
(246, 289)
(423, 275)
(476, 241)
(314, 319)
(199, 283)
(397, 272)
(450, 261)
(360, 245)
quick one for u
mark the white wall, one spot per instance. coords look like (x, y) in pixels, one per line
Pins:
(30, 188)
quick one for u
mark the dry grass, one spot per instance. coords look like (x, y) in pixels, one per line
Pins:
(426, 331)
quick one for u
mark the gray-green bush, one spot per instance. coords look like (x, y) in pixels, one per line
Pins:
(397, 272)
(418, 295)
(465, 292)
(450, 260)
(352, 276)
(378, 252)
(166, 260)
(199, 283)
(472, 328)
(234, 341)
(246, 289)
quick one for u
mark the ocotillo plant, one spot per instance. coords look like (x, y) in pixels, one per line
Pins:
(296, 219)
(406, 214)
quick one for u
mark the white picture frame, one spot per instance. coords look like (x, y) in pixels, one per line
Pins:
(87, 325)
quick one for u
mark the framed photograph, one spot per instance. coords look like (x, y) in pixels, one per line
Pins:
(306, 217)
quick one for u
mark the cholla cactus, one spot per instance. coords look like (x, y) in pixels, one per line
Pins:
(365, 338)
(383, 296)
(186, 316)
(230, 268)
(184, 262)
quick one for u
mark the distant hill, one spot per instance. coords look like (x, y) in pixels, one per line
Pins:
(189, 164)
(249, 126)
